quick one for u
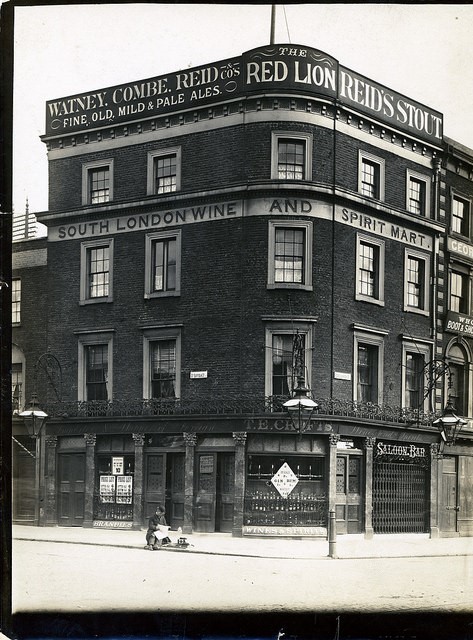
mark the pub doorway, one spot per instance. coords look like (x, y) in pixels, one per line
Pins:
(165, 484)
(71, 489)
(214, 496)
(449, 499)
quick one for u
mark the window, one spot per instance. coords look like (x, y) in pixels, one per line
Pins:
(416, 282)
(95, 366)
(459, 292)
(290, 255)
(288, 356)
(460, 216)
(370, 270)
(96, 271)
(415, 355)
(97, 182)
(163, 264)
(161, 363)
(458, 385)
(371, 176)
(368, 365)
(17, 386)
(291, 156)
(164, 171)
(418, 193)
(16, 300)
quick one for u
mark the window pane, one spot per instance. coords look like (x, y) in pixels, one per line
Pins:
(17, 386)
(96, 371)
(98, 272)
(283, 381)
(416, 203)
(414, 380)
(164, 264)
(99, 184)
(460, 216)
(166, 173)
(370, 179)
(16, 300)
(163, 368)
(458, 294)
(291, 160)
(289, 256)
(367, 373)
(368, 271)
(415, 282)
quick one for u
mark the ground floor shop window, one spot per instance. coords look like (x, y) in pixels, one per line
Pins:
(113, 496)
(286, 491)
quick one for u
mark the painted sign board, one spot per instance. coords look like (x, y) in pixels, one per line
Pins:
(285, 480)
(269, 69)
(459, 323)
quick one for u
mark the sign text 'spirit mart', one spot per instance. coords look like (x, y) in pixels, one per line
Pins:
(273, 68)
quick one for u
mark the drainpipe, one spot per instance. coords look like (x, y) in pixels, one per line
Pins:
(435, 261)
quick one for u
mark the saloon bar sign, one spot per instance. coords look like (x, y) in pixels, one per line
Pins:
(392, 452)
(273, 68)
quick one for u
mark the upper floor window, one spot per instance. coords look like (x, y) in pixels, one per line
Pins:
(163, 264)
(95, 366)
(368, 366)
(370, 270)
(459, 379)
(164, 171)
(16, 300)
(97, 182)
(460, 216)
(371, 176)
(291, 156)
(96, 271)
(459, 292)
(414, 375)
(290, 255)
(161, 362)
(17, 386)
(288, 356)
(416, 282)
(418, 193)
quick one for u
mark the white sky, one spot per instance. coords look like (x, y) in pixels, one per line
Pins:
(422, 51)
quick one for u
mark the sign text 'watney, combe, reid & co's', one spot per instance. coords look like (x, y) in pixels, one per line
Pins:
(272, 68)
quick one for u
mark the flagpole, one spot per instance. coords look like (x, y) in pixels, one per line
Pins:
(273, 21)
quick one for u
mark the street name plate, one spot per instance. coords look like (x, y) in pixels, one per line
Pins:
(285, 480)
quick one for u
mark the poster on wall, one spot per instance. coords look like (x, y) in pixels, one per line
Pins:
(107, 488)
(124, 489)
(118, 464)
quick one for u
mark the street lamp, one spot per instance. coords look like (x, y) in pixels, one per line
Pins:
(300, 407)
(449, 424)
(34, 419)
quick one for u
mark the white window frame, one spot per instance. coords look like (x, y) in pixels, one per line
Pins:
(372, 337)
(412, 253)
(465, 271)
(286, 328)
(84, 288)
(151, 182)
(153, 335)
(149, 241)
(18, 357)
(364, 155)
(365, 239)
(89, 339)
(427, 181)
(456, 195)
(423, 349)
(86, 169)
(288, 224)
(18, 322)
(276, 136)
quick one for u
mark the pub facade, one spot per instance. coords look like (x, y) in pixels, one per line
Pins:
(217, 239)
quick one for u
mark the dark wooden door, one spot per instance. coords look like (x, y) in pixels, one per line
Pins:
(71, 486)
(225, 492)
(449, 502)
(175, 489)
(23, 487)
(154, 484)
(349, 497)
(206, 479)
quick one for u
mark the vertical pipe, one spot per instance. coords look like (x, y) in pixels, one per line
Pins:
(332, 534)
(273, 22)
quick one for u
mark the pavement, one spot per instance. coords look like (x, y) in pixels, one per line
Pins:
(346, 546)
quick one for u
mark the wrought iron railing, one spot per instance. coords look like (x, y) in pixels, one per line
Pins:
(234, 405)
(295, 510)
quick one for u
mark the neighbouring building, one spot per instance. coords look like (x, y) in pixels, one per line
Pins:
(216, 237)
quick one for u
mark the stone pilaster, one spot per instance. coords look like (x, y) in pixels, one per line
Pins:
(89, 489)
(435, 481)
(368, 515)
(138, 479)
(332, 471)
(239, 485)
(50, 508)
(190, 440)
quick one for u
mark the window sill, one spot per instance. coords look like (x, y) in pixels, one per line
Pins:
(360, 298)
(291, 285)
(95, 301)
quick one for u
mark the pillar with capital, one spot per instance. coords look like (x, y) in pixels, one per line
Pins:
(190, 440)
(435, 480)
(332, 471)
(138, 515)
(369, 444)
(50, 507)
(89, 489)
(239, 485)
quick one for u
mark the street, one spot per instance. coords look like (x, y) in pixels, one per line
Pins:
(76, 578)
